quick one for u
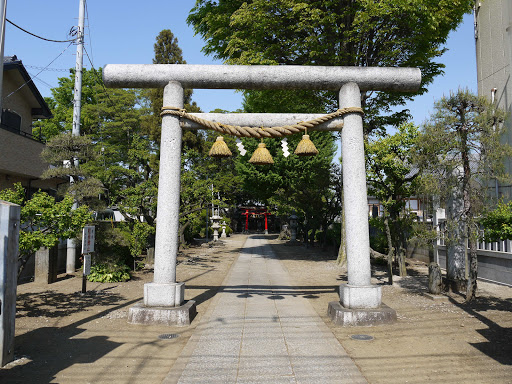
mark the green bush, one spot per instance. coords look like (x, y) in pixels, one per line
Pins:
(109, 273)
(112, 245)
(378, 239)
(334, 234)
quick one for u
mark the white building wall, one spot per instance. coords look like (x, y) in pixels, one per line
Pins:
(493, 37)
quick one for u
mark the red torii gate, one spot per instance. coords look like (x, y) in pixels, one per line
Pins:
(254, 211)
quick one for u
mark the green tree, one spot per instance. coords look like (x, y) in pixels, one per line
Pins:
(60, 152)
(199, 173)
(44, 220)
(498, 222)
(292, 183)
(117, 158)
(61, 105)
(392, 180)
(459, 152)
(358, 33)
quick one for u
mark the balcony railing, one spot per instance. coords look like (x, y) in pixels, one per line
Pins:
(21, 133)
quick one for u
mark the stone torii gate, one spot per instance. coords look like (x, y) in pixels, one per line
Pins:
(360, 301)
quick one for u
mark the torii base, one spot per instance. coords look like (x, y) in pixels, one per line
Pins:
(360, 317)
(180, 316)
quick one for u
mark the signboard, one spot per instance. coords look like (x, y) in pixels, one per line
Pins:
(88, 239)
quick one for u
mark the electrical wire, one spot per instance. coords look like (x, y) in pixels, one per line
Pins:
(47, 69)
(41, 81)
(39, 37)
(89, 29)
(32, 78)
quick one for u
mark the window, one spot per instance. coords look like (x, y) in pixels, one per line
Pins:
(11, 121)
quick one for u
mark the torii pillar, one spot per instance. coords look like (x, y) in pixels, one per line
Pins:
(360, 301)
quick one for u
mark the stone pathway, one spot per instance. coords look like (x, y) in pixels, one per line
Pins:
(261, 330)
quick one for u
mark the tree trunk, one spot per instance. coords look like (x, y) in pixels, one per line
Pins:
(182, 233)
(402, 270)
(306, 234)
(391, 250)
(473, 271)
(469, 218)
(456, 248)
(23, 260)
(342, 251)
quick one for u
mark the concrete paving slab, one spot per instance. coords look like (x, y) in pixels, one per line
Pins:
(261, 330)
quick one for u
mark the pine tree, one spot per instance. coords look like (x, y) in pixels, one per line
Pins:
(167, 51)
(460, 150)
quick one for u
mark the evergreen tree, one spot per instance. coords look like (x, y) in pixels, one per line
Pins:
(460, 152)
(167, 51)
(392, 180)
(292, 183)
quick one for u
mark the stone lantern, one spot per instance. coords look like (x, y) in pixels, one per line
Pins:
(293, 227)
(223, 234)
(216, 225)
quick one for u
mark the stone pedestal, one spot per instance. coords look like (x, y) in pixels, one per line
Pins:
(150, 258)
(435, 279)
(360, 317)
(164, 295)
(180, 316)
(360, 296)
(46, 265)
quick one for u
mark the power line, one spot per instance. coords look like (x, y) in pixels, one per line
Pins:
(43, 38)
(89, 29)
(47, 69)
(41, 81)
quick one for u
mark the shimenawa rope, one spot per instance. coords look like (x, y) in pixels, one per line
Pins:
(236, 130)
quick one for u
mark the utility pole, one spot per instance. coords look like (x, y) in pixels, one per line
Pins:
(77, 106)
(3, 9)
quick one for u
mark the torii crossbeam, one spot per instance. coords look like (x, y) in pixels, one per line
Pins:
(360, 301)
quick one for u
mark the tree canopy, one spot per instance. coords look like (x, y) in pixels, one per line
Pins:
(407, 33)
(44, 220)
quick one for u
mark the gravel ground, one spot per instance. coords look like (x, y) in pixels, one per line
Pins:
(63, 336)
(432, 341)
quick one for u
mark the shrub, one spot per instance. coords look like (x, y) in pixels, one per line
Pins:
(109, 273)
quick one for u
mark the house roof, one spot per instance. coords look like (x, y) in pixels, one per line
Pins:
(11, 63)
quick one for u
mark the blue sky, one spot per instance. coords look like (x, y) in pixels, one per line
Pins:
(123, 32)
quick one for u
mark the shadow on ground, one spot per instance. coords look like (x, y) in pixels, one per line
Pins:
(56, 304)
(50, 350)
(499, 339)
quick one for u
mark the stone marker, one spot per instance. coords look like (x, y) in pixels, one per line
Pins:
(435, 279)
(9, 236)
(46, 265)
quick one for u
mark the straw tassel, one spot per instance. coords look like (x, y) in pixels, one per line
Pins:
(220, 148)
(261, 155)
(306, 147)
